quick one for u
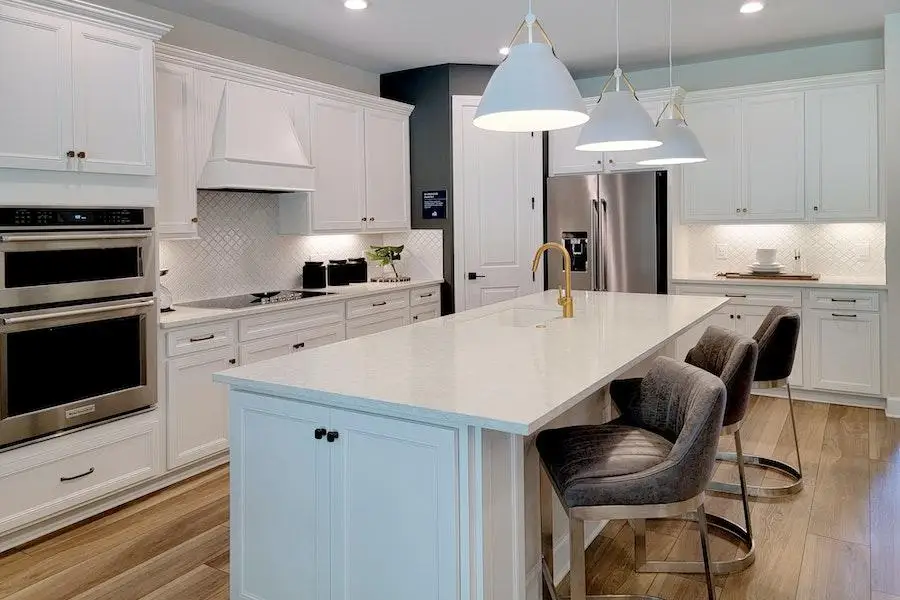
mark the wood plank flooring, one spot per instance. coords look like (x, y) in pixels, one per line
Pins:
(837, 540)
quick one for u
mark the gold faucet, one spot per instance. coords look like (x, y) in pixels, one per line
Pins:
(568, 305)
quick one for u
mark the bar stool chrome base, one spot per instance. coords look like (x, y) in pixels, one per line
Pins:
(794, 474)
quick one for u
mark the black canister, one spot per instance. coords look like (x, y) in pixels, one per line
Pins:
(358, 270)
(337, 273)
(313, 275)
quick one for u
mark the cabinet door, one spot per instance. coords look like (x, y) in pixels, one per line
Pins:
(113, 98)
(197, 407)
(628, 161)
(711, 191)
(176, 216)
(338, 153)
(566, 160)
(321, 336)
(267, 348)
(842, 169)
(846, 351)
(377, 323)
(425, 312)
(405, 473)
(387, 171)
(280, 500)
(36, 102)
(773, 157)
(724, 317)
(752, 317)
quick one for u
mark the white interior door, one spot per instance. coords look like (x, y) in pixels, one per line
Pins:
(498, 220)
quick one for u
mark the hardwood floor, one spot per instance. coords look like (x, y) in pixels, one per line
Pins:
(839, 539)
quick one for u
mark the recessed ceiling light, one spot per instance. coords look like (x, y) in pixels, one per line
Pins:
(752, 6)
(504, 50)
(356, 4)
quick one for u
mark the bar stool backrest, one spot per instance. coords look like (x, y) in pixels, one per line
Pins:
(732, 358)
(777, 338)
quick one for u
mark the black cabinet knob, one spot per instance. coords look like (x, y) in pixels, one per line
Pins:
(232, 361)
(332, 435)
(320, 433)
(82, 155)
(70, 154)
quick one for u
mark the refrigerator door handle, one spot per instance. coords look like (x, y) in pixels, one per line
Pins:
(594, 243)
(599, 242)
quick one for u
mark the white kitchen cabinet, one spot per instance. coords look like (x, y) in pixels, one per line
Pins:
(773, 157)
(305, 524)
(176, 215)
(711, 191)
(36, 103)
(197, 408)
(842, 157)
(283, 345)
(79, 93)
(846, 351)
(387, 171)
(425, 312)
(377, 323)
(339, 156)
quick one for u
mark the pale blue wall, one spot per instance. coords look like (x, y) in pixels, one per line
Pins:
(830, 59)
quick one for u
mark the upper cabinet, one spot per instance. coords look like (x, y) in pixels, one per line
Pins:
(82, 101)
(842, 170)
(387, 170)
(808, 152)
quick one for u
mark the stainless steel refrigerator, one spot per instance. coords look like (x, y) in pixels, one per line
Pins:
(614, 227)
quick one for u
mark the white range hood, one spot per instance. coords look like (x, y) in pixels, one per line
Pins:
(255, 146)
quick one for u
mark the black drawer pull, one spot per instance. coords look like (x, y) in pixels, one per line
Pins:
(735, 295)
(320, 433)
(205, 338)
(232, 361)
(851, 300)
(332, 435)
(836, 315)
(379, 303)
(300, 345)
(74, 477)
(426, 295)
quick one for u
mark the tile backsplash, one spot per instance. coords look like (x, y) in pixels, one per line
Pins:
(833, 249)
(239, 249)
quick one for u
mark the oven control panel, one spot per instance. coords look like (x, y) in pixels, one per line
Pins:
(12, 218)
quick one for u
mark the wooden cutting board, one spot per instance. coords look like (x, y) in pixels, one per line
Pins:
(772, 276)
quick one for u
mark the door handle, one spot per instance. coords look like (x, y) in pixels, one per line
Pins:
(474, 276)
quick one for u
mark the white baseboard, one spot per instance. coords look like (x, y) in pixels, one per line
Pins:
(825, 397)
(892, 407)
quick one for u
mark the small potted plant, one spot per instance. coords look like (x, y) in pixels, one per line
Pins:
(385, 256)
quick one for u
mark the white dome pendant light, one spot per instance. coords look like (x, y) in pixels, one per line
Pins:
(679, 144)
(618, 122)
(531, 90)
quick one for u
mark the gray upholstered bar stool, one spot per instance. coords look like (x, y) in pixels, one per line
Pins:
(732, 358)
(653, 461)
(777, 339)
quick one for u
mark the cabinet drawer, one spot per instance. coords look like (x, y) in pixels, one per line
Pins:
(57, 474)
(277, 323)
(373, 305)
(843, 300)
(202, 337)
(425, 295)
(747, 295)
(426, 312)
(377, 323)
(321, 336)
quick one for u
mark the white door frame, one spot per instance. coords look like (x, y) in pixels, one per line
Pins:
(459, 215)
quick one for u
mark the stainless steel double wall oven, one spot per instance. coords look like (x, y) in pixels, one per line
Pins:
(78, 318)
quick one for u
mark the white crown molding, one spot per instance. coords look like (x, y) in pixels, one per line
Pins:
(242, 72)
(96, 15)
(792, 85)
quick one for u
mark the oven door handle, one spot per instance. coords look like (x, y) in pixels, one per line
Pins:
(75, 313)
(8, 238)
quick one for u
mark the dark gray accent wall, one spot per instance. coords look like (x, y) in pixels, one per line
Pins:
(430, 89)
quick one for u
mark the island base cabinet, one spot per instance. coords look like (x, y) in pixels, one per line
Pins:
(845, 350)
(339, 504)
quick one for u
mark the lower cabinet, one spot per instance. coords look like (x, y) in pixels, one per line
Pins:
(377, 323)
(426, 312)
(306, 523)
(288, 344)
(846, 352)
(197, 407)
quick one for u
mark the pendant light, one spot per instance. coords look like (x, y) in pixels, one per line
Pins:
(531, 90)
(618, 122)
(679, 144)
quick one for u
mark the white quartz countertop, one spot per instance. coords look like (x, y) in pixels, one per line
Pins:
(512, 366)
(187, 315)
(824, 281)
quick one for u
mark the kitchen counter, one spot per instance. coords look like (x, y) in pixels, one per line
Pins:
(493, 367)
(824, 281)
(186, 315)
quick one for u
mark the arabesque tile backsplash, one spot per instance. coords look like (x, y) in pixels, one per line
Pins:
(239, 249)
(833, 249)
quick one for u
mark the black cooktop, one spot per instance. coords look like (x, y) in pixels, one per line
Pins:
(260, 299)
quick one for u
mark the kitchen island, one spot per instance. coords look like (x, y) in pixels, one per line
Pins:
(401, 465)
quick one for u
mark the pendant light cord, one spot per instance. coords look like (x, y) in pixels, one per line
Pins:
(671, 77)
(529, 20)
(618, 71)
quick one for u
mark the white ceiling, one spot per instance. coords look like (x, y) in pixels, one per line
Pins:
(400, 34)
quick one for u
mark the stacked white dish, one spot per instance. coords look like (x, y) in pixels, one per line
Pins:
(765, 262)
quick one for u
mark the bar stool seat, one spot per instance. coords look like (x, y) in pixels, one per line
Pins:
(654, 461)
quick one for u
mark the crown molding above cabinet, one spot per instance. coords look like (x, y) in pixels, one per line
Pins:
(97, 15)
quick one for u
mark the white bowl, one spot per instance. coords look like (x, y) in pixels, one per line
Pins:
(766, 256)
